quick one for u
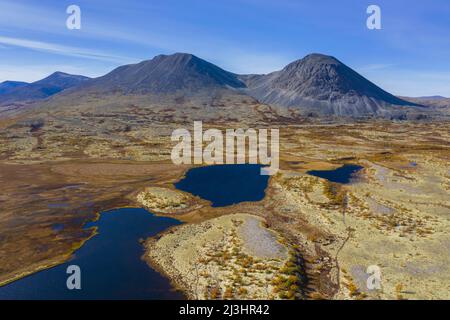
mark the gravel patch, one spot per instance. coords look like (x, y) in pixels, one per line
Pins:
(260, 242)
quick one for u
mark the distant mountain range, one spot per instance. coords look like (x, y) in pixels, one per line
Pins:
(8, 86)
(13, 91)
(317, 85)
(435, 98)
(432, 101)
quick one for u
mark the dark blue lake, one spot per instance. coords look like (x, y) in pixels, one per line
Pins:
(343, 174)
(110, 262)
(225, 185)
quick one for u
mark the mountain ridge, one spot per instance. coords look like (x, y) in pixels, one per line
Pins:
(9, 85)
(316, 85)
(166, 74)
(324, 85)
(41, 89)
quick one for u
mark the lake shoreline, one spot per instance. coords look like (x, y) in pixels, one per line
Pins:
(176, 284)
(88, 261)
(43, 267)
(175, 252)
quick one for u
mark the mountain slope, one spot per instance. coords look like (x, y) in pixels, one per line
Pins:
(165, 74)
(177, 87)
(437, 103)
(317, 85)
(432, 101)
(8, 86)
(323, 85)
(41, 89)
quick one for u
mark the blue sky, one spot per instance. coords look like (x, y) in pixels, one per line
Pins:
(410, 55)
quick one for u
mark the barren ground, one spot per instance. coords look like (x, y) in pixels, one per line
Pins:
(396, 216)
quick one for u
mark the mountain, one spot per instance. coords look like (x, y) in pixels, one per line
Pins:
(317, 85)
(322, 85)
(437, 103)
(165, 74)
(431, 98)
(8, 86)
(177, 87)
(41, 89)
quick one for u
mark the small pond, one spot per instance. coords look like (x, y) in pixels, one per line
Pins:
(344, 174)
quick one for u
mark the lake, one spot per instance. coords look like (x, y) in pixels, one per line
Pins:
(110, 262)
(344, 174)
(225, 185)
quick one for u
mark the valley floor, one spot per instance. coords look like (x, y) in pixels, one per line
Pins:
(395, 217)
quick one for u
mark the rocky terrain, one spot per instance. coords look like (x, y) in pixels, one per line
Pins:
(229, 257)
(394, 217)
(169, 201)
(322, 85)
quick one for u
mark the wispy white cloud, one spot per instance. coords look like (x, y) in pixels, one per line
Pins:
(14, 14)
(62, 50)
(227, 54)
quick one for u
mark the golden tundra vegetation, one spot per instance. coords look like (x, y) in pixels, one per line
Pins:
(307, 239)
